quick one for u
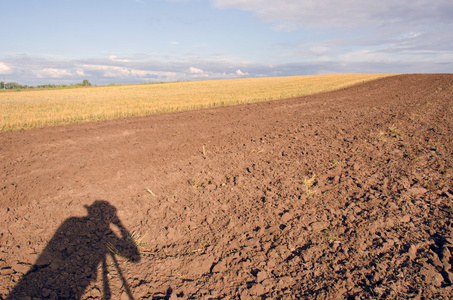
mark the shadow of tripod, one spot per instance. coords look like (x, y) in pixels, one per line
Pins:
(105, 281)
(70, 260)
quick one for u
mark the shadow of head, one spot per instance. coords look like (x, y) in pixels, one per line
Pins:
(102, 212)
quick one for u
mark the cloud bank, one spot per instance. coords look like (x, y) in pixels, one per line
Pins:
(347, 13)
(134, 69)
(389, 32)
(34, 70)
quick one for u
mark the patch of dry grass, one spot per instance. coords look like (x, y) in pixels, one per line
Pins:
(30, 109)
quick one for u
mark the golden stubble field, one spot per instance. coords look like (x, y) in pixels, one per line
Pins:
(40, 108)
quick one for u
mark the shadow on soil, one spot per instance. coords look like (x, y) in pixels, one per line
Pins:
(70, 261)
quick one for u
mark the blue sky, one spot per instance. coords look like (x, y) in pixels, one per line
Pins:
(133, 41)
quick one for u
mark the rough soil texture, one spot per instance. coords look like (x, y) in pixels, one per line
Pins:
(345, 194)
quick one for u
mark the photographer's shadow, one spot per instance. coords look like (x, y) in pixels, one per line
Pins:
(70, 261)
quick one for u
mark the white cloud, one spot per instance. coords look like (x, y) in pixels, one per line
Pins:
(240, 73)
(174, 43)
(362, 55)
(193, 70)
(115, 58)
(145, 74)
(108, 71)
(4, 69)
(126, 73)
(52, 73)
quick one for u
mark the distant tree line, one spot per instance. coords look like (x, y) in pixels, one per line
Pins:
(16, 86)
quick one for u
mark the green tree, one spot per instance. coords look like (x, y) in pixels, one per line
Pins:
(12, 85)
(86, 83)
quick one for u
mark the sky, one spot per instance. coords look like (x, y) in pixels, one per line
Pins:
(135, 41)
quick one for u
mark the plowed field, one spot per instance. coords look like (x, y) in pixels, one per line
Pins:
(344, 194)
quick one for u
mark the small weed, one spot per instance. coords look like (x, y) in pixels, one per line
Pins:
(196, 183)
(113, 249)
(307, 184)
(413, 116)
(207, 244)
(309, 193)
(200, 183)
(335, 163)
(433, 144)
(257, 151)
(137, 239)
(204, 151)
(332, 238)
(394, 132)
(326, 228)
(379, 135)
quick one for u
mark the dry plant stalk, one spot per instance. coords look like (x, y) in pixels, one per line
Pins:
(151, 192)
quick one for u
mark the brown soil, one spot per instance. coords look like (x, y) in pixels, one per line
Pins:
(338, 195)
